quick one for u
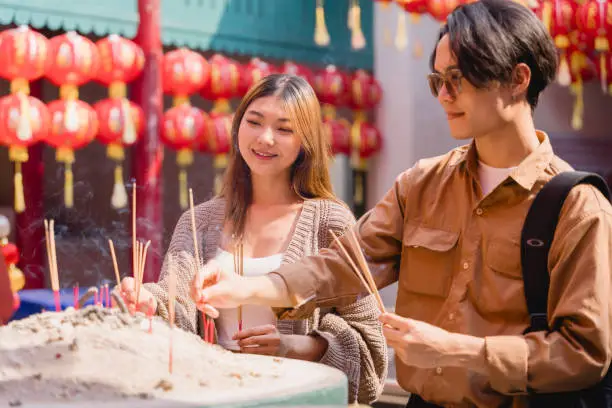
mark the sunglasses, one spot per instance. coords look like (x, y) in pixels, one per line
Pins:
(451, 79)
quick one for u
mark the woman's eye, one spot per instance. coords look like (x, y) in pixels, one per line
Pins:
(285, 130)
(252, 122)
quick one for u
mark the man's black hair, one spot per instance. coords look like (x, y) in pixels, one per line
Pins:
(490, 37)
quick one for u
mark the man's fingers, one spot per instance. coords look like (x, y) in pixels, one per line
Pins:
(391, 320)
(254, 331)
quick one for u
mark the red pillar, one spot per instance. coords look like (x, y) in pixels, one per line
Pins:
(148, 153)
(30, 232)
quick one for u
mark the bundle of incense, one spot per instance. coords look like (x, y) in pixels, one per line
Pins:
(361, 269)
(75, 294)
(239, 269)
(209, 324)
(52, 258)
(115, 264)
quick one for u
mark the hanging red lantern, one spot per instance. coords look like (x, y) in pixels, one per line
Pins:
(291, 68)
(121, 121)
(440, 9)
(74, 124)
(185, 128)
(365, 91)
(333, 89)
(252, 73)
(338, 132)
(24, 118)
(219, 144)
(559, 18)
(184, 72)
(594, 20)
(608, 68)
(365, 142)
(74, 61)
(24, 121)
(223, 84)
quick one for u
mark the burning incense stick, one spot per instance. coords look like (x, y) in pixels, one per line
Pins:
(52, 257)
(240, 271)
(171, 299)
(142, 258)
(196, 255)
(115, 265)
(75, 293)
(134, 259)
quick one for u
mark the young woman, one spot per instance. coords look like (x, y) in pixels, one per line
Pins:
(277, 206)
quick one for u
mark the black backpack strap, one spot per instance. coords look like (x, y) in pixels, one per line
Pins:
(537, 236)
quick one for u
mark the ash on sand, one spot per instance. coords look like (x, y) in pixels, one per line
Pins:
(104, 355)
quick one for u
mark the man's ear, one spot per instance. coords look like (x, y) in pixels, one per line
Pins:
(521, 77)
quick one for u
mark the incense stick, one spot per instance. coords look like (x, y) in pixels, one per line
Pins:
(52, 257)
(365, 269)
(171, 298)
(355, 268)
(142, 258)
(134, 249)
(115, 266)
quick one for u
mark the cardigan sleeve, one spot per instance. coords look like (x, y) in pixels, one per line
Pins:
(353, 332)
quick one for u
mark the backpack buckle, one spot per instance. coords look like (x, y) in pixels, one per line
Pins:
(539, 322)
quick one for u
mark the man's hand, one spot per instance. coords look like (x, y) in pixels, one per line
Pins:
(423, 345)
(265, 340)
(214, 288)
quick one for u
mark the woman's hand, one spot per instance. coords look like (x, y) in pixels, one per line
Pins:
(146, 300)
(264, 340)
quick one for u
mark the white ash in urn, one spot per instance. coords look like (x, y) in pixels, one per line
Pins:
(98, 354)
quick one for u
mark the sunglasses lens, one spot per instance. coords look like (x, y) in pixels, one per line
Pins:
(435, 83)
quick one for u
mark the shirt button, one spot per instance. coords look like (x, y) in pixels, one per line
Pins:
(439, 370)
(466, 265)
(451, 316)
(479, 211)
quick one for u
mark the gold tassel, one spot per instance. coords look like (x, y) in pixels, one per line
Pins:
(184, 158)
(564, 77)
(179, 100)
(19, 195)
(358, 41)
(321, 36)
(577, 116)
(218, 182)
(119, 198)
(129, 130)
(417, 51)
(358, 196)
(221, 106)
(68, 186)
(66, 156)
(18, 155)
(350, 18)
(415, 18)
(603, 67)
(24, 126)
(401, 36)
(547, 15)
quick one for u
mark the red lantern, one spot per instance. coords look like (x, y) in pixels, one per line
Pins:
(365, 91)
(121, 121)
(121, 60)
(413, 7)
(25, 56)
(74, 124)
(185, 127)
(440, 9)
(594, 19)
(184, 73)
(338, 132)
(24, 121)
(219, 145)
(24, 118)
(252, 73)
(333, 89)
(120, 124)
(365, 141)
(74, 61)
(559, 18)
(223, 84)
(292, 68)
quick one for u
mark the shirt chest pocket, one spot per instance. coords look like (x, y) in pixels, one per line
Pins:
(428, 256)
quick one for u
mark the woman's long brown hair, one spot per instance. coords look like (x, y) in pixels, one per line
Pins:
(310, 172)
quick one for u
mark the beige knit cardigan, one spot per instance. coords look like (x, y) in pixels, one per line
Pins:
(356, 345)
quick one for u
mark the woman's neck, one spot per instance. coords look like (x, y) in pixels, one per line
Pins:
(272, 191)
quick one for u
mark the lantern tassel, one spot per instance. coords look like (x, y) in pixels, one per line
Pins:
(358, 41)
(415, 18)
(129, 130)
(119, 199)
(547, 15)
(219, 163)
(321, 36)
(68, 186)
(184, 158)
(577, 116)
(401, 36)
(221, 106)
(19, 195)
(604, 72)
(18, 155)
(24, 126)
(358, 196)
(564, 77)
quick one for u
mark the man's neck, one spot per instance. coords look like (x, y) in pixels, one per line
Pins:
(508, 146)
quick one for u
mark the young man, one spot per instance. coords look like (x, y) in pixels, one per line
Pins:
(449, 232)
